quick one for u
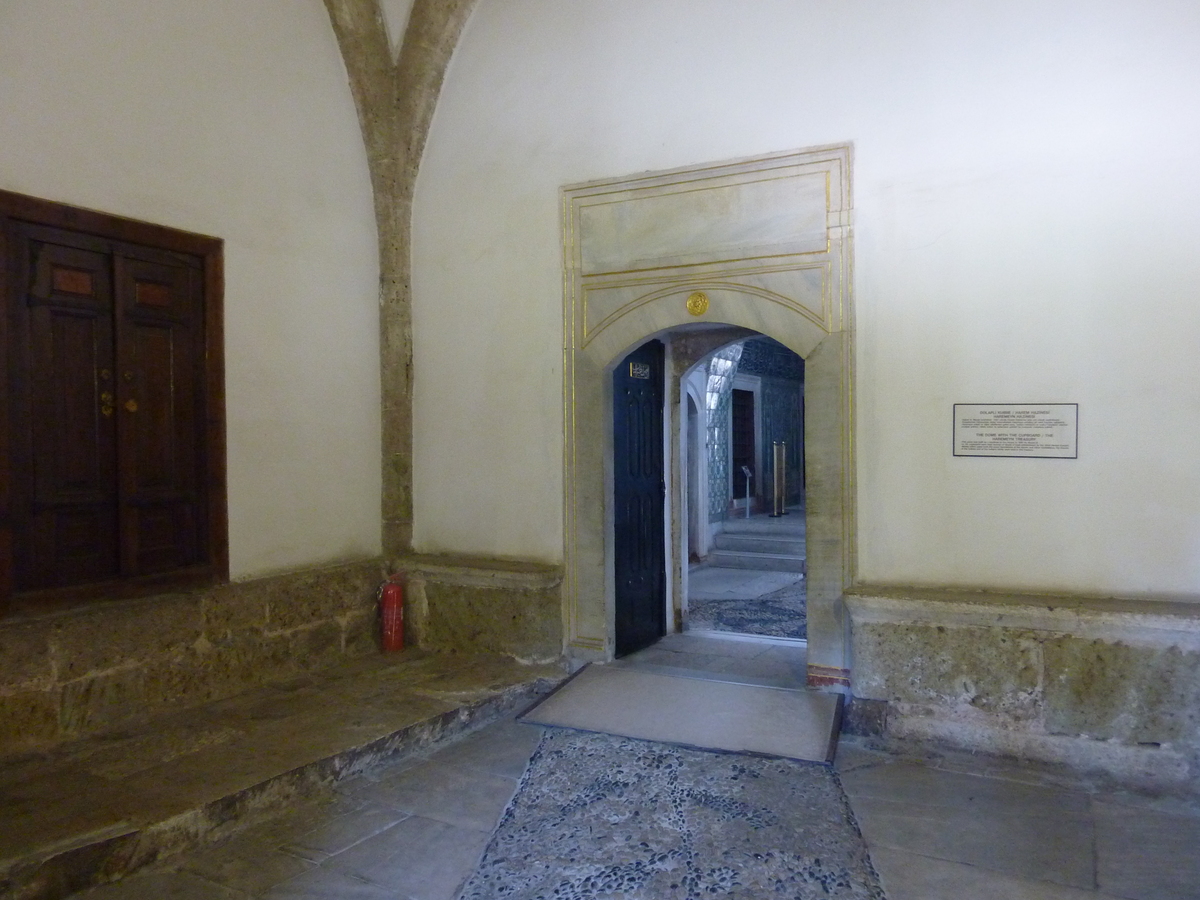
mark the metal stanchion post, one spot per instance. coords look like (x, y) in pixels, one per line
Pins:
(776, 475)
(783, 510)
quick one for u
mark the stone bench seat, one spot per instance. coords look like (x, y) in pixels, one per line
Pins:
(94, 809)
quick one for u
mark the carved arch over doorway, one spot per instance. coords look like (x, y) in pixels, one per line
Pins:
(762, 244)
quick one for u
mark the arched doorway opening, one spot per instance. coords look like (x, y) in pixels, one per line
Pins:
(746, 548)
(777, 265)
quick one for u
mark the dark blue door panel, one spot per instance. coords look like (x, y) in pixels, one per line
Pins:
(638, 489)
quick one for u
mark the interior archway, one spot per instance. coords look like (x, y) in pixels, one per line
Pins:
(801, 299)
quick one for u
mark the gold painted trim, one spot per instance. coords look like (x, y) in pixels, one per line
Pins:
(837, 154)
(722, 270)
(717, 263)
(822, 319)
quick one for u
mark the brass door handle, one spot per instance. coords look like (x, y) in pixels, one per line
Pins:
(131, 405)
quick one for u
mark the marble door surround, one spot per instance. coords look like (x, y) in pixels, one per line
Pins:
(761, 244)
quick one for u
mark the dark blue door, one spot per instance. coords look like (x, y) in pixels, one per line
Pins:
(639, 490)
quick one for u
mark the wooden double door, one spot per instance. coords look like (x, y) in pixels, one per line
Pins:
(108, 441)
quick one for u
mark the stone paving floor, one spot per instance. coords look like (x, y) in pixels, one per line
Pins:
(718, 583)
(746, 601)
(938, 825)
(950, 826)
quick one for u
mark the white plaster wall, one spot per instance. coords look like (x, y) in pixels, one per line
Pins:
(232, 119)
(1026, 229)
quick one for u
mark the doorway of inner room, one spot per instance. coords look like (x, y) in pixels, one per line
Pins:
(747, 562)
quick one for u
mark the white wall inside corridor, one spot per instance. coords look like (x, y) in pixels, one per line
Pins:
(231, 119)
(1027, 212)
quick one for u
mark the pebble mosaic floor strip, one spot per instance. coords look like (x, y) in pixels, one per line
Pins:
(598, 816)
(780, 613)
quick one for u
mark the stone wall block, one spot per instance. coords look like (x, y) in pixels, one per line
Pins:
(110, 635)
(233, 609)
(320, 595)
(523, 623)
(397, 536)
(316, 646)
(244, 662)
(360, 633)
(933, 666)
(416, 612)
(103, 665)
(28, 718)
(397, 485)
(1117, 691)
(179, 681)
(25, 655)
(104, 701)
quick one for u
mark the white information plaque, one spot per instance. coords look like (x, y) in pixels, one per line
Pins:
(1030, 430)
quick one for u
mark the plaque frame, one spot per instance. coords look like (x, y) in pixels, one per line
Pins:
(1008, 437)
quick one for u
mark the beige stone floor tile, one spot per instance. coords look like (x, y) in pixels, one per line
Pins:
(1147, 855)
(657, 656)
(418, 858)
(768, 667)
(462, 797)
(163, 886)
(1057, 848)
(908, 876)
(331, 834)
(924, 786)
(1168, 804)
(245, 865)
(500, 749)
(852, 755)
(364, 787)
(708, 644)
(327, 884)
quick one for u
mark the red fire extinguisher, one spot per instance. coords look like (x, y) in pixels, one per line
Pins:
(391, 613)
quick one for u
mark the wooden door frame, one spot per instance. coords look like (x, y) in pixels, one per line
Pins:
(215, 566)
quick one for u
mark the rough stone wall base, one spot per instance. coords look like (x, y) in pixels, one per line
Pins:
(99, 666)
(484, 606)
(1098, 684)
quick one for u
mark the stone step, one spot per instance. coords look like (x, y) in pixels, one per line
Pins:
(790, 525)
(100, 808)
(780, 545)
(770, 562)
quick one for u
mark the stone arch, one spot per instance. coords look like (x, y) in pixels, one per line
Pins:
(621, 292)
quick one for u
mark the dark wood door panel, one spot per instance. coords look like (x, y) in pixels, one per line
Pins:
(71, 406)
(113, 458)
(161, 427)
(63, 429)
(68, 544)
